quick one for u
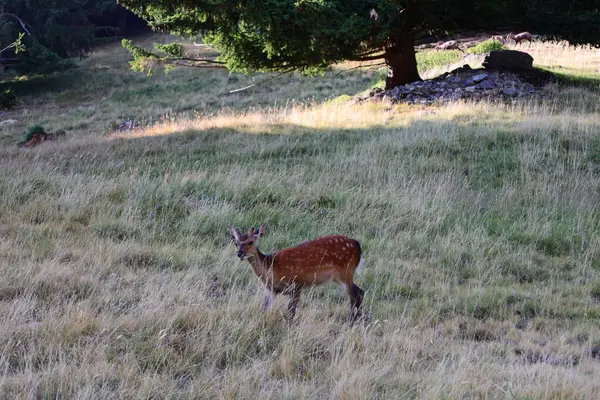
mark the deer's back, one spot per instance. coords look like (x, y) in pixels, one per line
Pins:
(327, 252)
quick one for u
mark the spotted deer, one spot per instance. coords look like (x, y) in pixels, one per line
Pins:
(520, 37)
(312, 263)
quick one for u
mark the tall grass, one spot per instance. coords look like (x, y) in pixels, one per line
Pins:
(479, 224)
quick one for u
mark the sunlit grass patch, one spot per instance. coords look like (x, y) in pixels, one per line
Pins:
(562, 54)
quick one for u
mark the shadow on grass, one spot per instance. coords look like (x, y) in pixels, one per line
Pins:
(575, 77)
(41, 84)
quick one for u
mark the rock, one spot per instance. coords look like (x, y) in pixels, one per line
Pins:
(7, 122)
(486, 85)
(467, 83)
(479, 77)
(128, 125)
(511, 60)
(464, 68)
(510, 91)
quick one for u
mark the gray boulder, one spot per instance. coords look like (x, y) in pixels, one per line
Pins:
(511, 60)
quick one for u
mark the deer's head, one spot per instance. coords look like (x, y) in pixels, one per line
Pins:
(246, 243)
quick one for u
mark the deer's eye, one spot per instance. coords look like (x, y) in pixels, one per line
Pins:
(250, 243)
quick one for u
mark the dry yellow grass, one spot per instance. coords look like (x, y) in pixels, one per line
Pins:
(479, 222)
(562, 54)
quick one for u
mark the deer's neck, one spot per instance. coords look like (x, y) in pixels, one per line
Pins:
(261, 263)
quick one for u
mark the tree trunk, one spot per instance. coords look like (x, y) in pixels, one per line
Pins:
(399, 55)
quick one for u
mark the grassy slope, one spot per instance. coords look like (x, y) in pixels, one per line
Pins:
(104, 92)
(480, 225)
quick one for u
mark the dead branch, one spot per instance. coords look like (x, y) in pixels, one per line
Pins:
(264, 80)
(18, 19)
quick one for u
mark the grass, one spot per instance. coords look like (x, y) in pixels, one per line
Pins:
(430, 59)
(479, 223)
(103, 92)
(573, 65)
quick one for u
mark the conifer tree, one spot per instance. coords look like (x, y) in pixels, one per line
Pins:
(310, 35)
(40, 35)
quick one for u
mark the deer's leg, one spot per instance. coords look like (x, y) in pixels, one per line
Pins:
(293, 304)
(356, 298)
(269, 299)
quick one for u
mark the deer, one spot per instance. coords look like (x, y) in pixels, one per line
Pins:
(518, 38)
(449, 45)
(325, 259)
(499, 38)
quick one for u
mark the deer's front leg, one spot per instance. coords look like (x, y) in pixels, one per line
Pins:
(269, 299)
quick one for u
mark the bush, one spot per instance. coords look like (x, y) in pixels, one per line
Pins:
(8, 99)
(33, 130)
(487, 46)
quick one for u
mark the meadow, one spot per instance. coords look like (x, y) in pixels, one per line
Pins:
(479, 223)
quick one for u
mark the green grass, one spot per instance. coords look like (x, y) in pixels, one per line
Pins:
(430, 59)
(479, 224)
(486, 46)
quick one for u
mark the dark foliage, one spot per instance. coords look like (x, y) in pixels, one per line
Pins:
(310, 35)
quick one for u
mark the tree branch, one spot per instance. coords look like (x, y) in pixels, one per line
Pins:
(369, 52)
(368, 58)
(207, 60)
(18, 19)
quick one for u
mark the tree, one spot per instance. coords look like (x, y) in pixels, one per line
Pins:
(52, 31)
(310, 35)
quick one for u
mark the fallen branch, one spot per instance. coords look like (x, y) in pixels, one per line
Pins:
(207, 60)
(172, 62)
(360, 66)
(263, 81)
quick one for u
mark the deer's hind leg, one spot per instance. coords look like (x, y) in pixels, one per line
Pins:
(295, 293)
(356, 299)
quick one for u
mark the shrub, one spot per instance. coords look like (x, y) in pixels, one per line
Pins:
(8, 99)
(33, 130)
(487, 46)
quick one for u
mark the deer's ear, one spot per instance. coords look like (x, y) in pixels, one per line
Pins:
(234, 233)
(260, 232)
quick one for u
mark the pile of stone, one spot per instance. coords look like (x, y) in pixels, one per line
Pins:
(505, 75)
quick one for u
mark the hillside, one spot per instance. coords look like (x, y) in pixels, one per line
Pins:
(479, 224)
